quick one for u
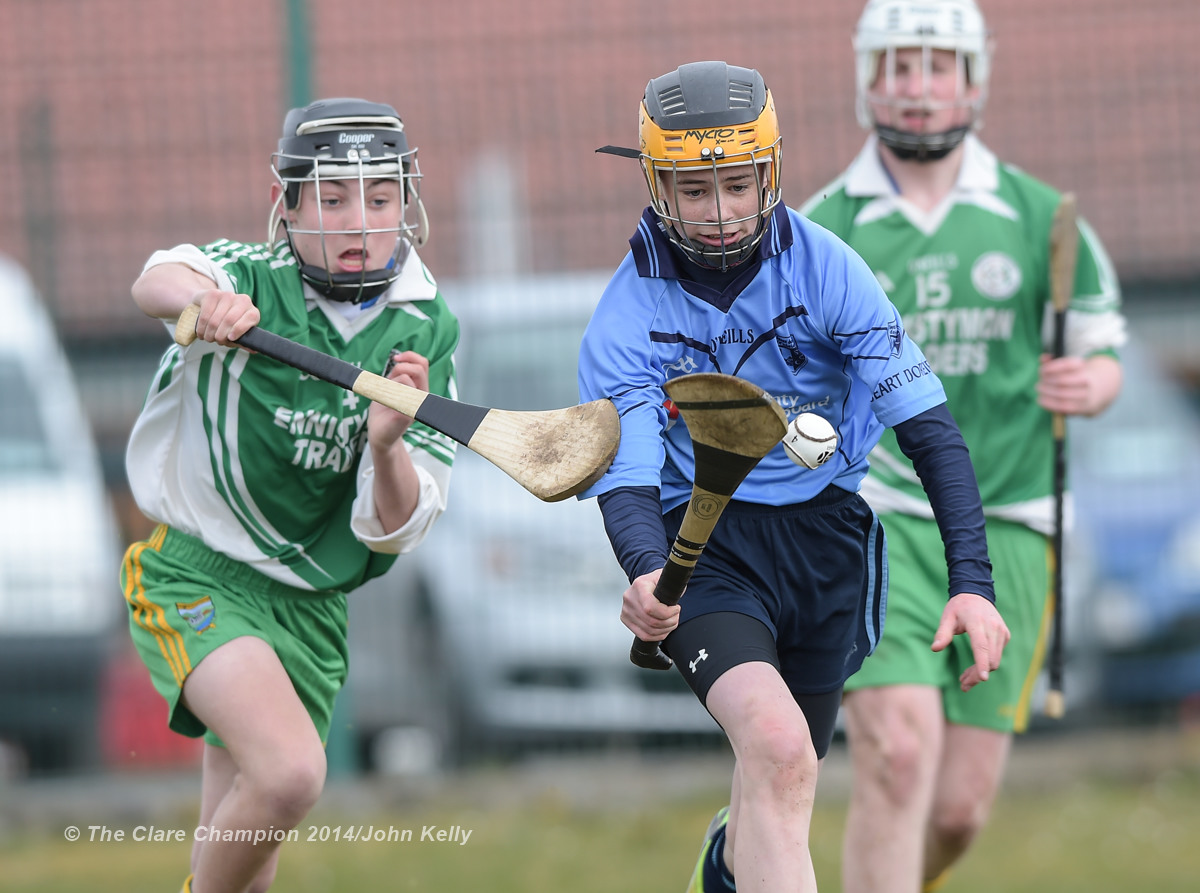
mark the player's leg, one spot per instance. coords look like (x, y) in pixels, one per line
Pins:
(968, 780)
(980, 723)
(219, 774)
(248, 663)
(894, 735)
(893, 709)
(769, 661)
(243, 694)
(767, 849)
(778, 738)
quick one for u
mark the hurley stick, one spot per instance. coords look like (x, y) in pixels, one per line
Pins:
(1064, 244)
(553, 453)
(732, 424)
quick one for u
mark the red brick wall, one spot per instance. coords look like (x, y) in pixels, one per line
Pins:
(127, 125)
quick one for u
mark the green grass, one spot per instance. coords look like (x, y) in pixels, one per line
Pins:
(1094, 836)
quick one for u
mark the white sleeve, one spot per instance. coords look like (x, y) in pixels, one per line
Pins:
(434, 478)
(193, 257)
(1086, 333)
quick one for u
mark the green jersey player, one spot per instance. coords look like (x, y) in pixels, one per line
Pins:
(960, 243)
(276, 493)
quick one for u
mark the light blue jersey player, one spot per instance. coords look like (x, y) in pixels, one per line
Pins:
(790, 594)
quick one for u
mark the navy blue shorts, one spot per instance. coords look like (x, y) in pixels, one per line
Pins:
(813, 574)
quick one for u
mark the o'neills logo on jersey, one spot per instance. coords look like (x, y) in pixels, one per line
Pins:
(355, 139)
(995, 275)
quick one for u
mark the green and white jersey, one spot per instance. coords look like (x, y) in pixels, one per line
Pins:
(971, 280)
(270, 466)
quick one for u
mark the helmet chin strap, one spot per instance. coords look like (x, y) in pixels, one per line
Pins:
(720, 258)
(921, 147)
(353, 288)
(350, 288)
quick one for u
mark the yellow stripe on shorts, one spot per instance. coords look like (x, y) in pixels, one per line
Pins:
(150, 616)
(1021, 722)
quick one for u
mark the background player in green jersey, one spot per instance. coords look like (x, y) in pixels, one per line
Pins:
(276, 493)
(960, 243)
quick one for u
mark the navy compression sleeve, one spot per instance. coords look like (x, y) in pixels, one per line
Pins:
(939, 455)
(634, 524)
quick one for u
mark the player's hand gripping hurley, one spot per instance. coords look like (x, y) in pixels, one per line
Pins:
(1064, 245)
(553, 453)
(732, 424)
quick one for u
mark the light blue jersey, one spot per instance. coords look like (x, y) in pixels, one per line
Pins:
(813, 328)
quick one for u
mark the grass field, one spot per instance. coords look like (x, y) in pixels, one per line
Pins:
(1137, 832)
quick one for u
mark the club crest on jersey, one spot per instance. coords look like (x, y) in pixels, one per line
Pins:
(995, 275)
(896, 337)
(200, 614)
(792, 355)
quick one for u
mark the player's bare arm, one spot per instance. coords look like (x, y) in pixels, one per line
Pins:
(165, 289)
(977, 618)
(396, 485)
(644, 615)
(1078, 386)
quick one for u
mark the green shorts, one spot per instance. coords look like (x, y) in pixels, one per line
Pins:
(185, 601)
(917, 593)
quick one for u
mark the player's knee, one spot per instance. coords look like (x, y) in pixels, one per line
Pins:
(781, 756)
(956, 823)
(890, 752)
(893, 760)
(290, 786)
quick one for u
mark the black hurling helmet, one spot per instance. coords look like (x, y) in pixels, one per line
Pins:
(347, 139)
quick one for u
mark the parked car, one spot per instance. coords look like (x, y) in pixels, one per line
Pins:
(60, 606)
(502, 628)
(1135, 474)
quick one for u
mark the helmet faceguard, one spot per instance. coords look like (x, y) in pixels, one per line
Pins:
(890, 25)
(710, 116)
(350, 140)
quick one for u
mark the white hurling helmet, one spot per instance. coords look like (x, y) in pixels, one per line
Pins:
(890, 25)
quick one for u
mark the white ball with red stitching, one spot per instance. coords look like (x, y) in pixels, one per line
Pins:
(810, 440)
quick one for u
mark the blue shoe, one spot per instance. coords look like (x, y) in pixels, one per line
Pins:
(718, 822)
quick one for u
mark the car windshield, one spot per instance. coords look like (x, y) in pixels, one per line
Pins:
(521, 367)
(24, 446)
(1147, 434)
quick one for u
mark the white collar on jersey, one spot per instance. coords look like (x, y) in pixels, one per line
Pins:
(867, 176)
(978, 180)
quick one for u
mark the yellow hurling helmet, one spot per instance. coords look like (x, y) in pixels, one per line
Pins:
(709, 115)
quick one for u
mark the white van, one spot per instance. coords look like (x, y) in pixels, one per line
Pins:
(60, 606)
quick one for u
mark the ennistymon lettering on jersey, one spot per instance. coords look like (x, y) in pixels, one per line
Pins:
(323, 440)
(955, 339)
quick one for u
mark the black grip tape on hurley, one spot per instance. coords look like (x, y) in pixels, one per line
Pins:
(315, 363)
(720, 471)
(458, 421)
